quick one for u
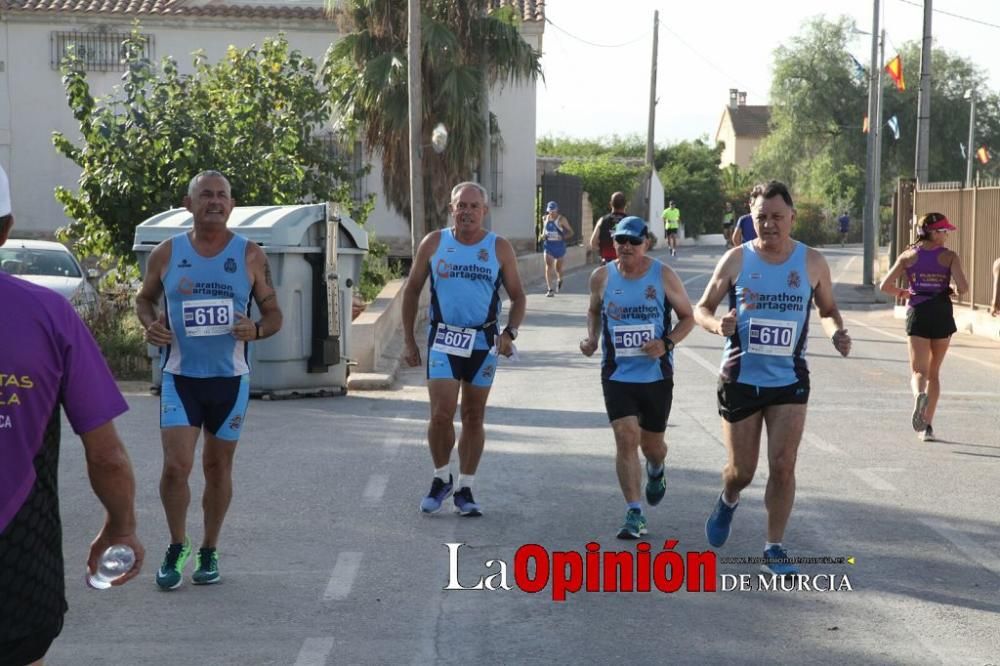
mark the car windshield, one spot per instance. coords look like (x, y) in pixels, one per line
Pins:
(24, 261)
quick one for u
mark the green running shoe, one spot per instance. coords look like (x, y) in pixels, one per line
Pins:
(634, 526)
(207, 571)
(169, 575)
(656, 486)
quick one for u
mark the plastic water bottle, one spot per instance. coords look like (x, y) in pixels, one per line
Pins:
(114, 562)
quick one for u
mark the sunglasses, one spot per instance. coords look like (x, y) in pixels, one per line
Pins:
(631, 240)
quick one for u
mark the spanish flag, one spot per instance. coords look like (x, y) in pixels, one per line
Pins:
(895, 69)
(983, 154)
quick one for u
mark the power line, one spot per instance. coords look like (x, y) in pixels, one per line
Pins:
(704, 58)
(958, 16)
(590, 43)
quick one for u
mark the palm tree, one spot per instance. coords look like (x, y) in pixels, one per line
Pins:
(366, 72)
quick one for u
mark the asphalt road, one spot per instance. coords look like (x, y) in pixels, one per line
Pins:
(326, 560)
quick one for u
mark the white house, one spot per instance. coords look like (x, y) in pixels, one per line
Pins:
(35, 33)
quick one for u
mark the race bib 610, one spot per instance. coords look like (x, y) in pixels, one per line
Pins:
(772, 337)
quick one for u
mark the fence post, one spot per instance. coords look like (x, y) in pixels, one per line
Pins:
(972, 259)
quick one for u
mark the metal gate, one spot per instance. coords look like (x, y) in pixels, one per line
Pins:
(567, 191)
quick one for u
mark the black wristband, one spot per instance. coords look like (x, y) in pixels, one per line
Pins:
(256, 325)
(668, 344)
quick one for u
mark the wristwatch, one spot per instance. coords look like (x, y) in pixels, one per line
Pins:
(668, 344)
(512, 332)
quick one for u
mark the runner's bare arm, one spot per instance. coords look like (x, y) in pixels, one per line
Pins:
(148, 298)
(595, 238)
(677, 295)
(826, 306)
(566, 227)
(263, 293)
(598, 279)
(888, 284)
(512, 285)
(411, 294)
(722, 279)
(995, 311)
(958, 275)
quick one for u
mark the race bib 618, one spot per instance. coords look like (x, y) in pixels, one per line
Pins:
(208, 317)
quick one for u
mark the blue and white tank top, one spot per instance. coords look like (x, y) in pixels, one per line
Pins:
(772, 303)
(634, 311)
(203, 295)
(465, 286)
(554, 235)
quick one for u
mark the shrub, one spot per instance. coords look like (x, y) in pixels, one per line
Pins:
(119, 335)
(811, 226)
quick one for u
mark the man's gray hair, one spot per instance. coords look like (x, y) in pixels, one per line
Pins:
(193, 185)
(455, 191)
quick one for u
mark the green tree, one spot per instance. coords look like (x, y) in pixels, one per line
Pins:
(736, 184)
(603, 176)
(691, 177)
(257, 116)
(631, 146)
(366, 72)
(816, 144)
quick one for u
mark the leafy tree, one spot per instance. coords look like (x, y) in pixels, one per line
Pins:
(366, 72)
(736, 184)
(690, 177)
(632, 146)
(816, 143)
(257, 116)
(602, 177)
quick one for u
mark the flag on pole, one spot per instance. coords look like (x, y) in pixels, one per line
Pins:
(961, 147)
(893, 124)
(983, 154)
(859, 70)
(895, 69)
(864, 126)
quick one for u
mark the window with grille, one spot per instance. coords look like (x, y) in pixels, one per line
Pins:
(351, 154)
(97, 51)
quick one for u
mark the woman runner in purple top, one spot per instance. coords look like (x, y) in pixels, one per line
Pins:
(930, 269)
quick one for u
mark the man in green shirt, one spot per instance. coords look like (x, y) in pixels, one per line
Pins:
(672, 222)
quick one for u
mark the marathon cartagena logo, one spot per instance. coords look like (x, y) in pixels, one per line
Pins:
(761, 301)
(536, 569)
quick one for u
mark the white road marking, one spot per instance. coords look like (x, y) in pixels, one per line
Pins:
(314, 652)
(711, 367)
(873, 480)
(375, 489)
(840, 275)
(344, 572)
(951, 352)
(818, 442)
(975, 552)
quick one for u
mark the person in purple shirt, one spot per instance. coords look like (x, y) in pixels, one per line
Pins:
(930, 268)
(48, 360)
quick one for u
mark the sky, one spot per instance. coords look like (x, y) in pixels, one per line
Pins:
(596, 56)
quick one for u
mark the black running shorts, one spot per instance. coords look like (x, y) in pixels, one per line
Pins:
(933, 319)
(29, 649)
(650, 402)
(738, 401)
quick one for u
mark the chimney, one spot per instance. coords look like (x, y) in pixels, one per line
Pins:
(742, 99)
(733, 93)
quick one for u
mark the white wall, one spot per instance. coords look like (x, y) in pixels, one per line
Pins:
(33, 105)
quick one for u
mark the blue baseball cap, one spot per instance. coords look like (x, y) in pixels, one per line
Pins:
(631, 226)
(551, 206)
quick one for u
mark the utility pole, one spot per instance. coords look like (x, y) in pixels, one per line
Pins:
(924, 100)
(652, 120)
(486, 150)
(871, 239)
(416, 126)
(969, 153)
(869, 225)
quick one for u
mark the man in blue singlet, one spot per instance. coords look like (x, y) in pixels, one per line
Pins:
(206, 276)
(770, 284)
(631, 300)
(466, 264)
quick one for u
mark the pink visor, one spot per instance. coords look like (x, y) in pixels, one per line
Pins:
(943, 223)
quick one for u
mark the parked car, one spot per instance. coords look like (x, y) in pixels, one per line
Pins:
(50, 265)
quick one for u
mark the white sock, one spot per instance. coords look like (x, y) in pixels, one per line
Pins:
(442, 473)
(769, 544)
(726, 502)
(465, 480)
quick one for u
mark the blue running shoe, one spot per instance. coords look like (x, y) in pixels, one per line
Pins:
(634, 526)
(440, 491)
(465, 505)
(168, 577)
(656, 486)
(776, 562)
(717, 525)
